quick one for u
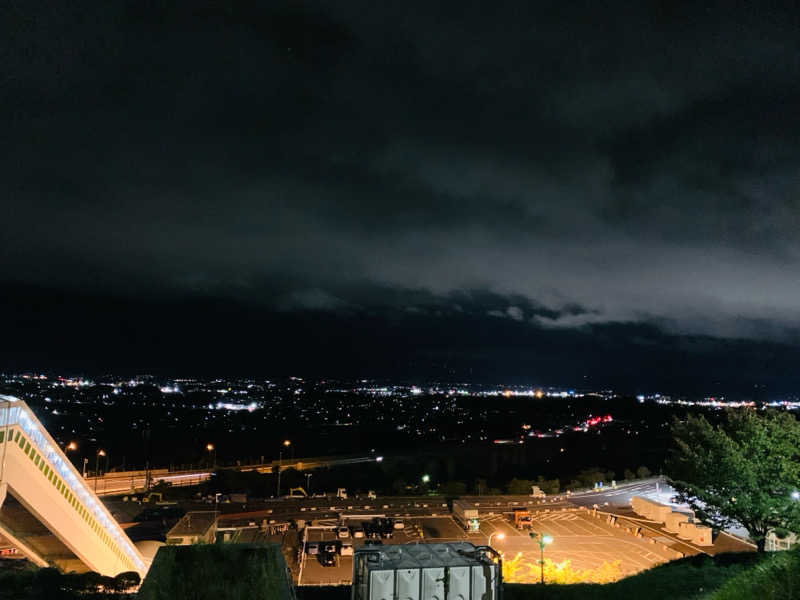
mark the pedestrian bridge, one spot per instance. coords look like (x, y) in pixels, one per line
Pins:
(46, 509)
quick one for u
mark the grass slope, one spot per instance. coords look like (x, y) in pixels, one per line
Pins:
(217, 572)
(777, 577)
(691, 578)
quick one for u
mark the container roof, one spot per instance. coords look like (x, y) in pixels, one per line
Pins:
(416, 556)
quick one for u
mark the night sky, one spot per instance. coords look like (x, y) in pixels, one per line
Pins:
(596, 194)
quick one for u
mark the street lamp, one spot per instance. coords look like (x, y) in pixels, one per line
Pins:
(100, 453)
(71, 446)
(795, 495)
(212, 448)
(286, 444)
(500, 536)
(543, 540)
(308, 483)
(426, 478)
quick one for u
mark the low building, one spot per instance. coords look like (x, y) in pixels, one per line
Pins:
(783, 541)
(195, 527)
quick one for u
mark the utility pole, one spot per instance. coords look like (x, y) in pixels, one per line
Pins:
(286, 444)
(100, 453)
(280, 458)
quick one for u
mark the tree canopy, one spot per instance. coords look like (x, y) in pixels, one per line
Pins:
(744, 471)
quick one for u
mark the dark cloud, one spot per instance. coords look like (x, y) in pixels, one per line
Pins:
(562, 167)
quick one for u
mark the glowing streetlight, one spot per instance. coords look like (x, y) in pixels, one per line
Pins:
(100, 453)
(500, 536)
(426, 478)
(285, 444)
(795, 495)
(543, 540)
(212, 448)
(72, 446)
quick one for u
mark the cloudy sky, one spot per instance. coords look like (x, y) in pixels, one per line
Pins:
(483, 190)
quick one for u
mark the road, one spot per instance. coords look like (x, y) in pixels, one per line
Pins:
(655, 488)
(121, 483)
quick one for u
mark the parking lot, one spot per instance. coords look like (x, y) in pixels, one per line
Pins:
(324, 536)
(587, 542)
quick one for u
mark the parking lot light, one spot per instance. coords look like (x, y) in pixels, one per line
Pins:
(543, 540)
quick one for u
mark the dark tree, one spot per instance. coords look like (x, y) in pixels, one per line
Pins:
(745, 471)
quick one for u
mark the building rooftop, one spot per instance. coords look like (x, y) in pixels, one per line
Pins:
(194, 523)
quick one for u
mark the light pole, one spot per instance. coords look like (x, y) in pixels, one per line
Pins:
(71, 447)
(211, 448)
(543, 540)
(286, 444)
(85, 462)
(100, 453)
(308, 483)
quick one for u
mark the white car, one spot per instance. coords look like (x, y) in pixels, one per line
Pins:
(398, 524)
(358, 532)
(346, 549)
(343, 532)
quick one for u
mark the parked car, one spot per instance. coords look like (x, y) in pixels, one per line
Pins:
(346, 549)
(343, 532)
(312, 548)
(358, 532)
(327, 559)
(398, 524)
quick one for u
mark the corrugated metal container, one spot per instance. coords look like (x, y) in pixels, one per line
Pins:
(425, 572)
(650, 509)
(674, 520)
(686, 531)
(660, 512)
(702, 535)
